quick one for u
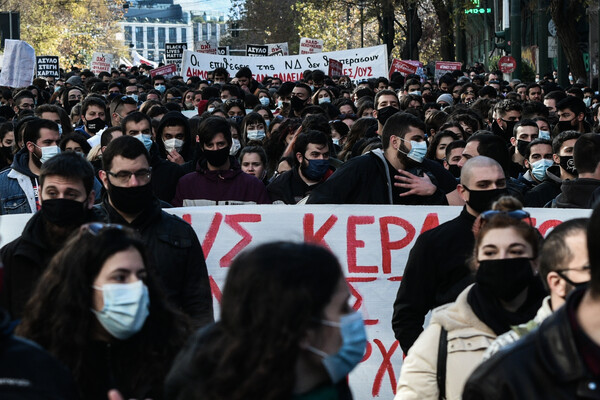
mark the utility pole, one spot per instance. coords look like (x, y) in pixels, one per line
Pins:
(515, 37)
(542, 34)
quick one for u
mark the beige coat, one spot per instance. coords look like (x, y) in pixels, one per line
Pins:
(468, 338)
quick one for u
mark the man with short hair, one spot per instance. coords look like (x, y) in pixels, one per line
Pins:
(93, 115)
(300, 98)
(507, 114)
(229, 92)
(66, 196)
(562, 170)
(521, 90)
(173, 246)
(453, 155)
(50, 112)
(524, 133)
(311, 168)
(571, 116)
(23, 100)
(538, 158)
(558, 360)
(120, 107)
(218, 178)
(437, 267)
(247, 83)
(386, 105)
(534, 92)
(578, 193)
(397, 174)
(221, 76)
(19, 186)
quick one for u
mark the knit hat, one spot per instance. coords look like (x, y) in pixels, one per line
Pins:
(446, 98)
(74, 80)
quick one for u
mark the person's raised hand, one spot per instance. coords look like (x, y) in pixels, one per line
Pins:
(416, 185)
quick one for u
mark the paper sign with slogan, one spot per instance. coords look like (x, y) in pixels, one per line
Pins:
(206, 47)
(405, 67)
(254, 50)
(278, 49)
(336, 68)
(174, 53)
(364, 63)
(18, 65)
(166, 71)
(101, 62)
(47, 66)
(310, 46)
(443, 67)
(223, 50)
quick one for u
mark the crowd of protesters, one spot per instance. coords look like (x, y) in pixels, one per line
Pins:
(115, 292)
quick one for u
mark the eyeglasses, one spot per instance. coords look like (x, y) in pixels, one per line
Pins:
(96, 227)
(515, 214)
(346, 116)
(235, 102)
(142, 175)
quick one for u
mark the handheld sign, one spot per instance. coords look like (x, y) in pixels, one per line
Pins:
(310, 46)
(253, 50)
(101, 62)
(47, 66)
(18, 64)
(336, 68)
(174, 53)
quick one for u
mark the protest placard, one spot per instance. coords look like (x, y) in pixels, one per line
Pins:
(18, 64)
(336, 68)
(278, 49)
(166, 71)
(47, 66)
(443, 67)
(254, 50)
(223, 50)
(174, 54)
(310, 46)
(368, 62)
(101, 62)
(206, 47)
(405, 67)
(372, 244)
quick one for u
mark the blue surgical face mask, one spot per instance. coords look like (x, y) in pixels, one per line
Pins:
(48, 152)
(264, 101)
(324, 100)
(134, 96)
(417, 150)
(316, 169)
(267, 123)
(60, 129)
(146, 139)
(538, 168)
(544, 135)
(416, 92)
(255, 134)
(587, 101)
(125, 308)
(279, 103)
(210, 109)
(354, 343)
(160, 88)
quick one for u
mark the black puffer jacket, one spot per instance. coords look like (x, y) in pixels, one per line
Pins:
(27, 372)
(176, 254)
(545, 364)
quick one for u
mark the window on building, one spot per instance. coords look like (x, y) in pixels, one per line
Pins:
(139, 37)
(128, 34)
(213, 31)
(151, 55)
(204, 31)
(150, 37)
(196, 30)
(161, 38)
(183, 35)
(172, 35)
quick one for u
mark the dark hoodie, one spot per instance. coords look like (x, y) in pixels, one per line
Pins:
(175, 118)
(219, 186)
(576, 193)
(27, 372)
(165, 175)
(545, 191)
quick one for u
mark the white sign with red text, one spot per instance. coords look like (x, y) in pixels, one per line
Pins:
(310, 46)
(369, 62)
(372, 244)
(101, 62)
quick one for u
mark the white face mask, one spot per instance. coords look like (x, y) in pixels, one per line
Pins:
(264, 101)
(48, 152)
(256, 134)
(235, 146)
(173, 144)
(324, 100)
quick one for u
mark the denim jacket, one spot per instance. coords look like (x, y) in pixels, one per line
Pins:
(16, 193)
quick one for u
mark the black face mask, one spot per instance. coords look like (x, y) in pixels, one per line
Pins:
(510, 126)
(504, 278)
(454, 170)
(567, 163)
(570, 282)
(131, 200)
(216, 158)
(6, 153)
(383, 114)
(64, 212)
(94, 125)
(297, 103)
(481, 200)
(522, 147)
(566, 126)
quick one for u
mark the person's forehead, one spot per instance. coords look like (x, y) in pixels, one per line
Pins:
(486, 173)
(527, 129)
(219, 137)
(63, 183)
(51, 115)
(46, 133)
(120, 163)
(173, 129)
(316, 147)
(457, 151)
(541, 148)
(471, 148)
(140, 126)
(95, 109)
(390, 98)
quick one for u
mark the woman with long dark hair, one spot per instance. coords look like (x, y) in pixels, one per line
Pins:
(286, 331)
(99, 310)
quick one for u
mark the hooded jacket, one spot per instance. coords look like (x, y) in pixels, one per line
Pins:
(545, 191)
(206, 187)
(165, 175)
(576, 193)
(16, 190)
(175, 118)
(27, 372)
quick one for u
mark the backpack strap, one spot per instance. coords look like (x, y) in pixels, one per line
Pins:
(441, 363)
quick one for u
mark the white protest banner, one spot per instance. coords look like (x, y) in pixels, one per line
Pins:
(174, 53)
(310, 46)
(278, 49)
(47, 66)
(443, 67)
(372, 244)
(101, 62)
(206, 47)
(18, 64)
(368, 62)
(255, 50)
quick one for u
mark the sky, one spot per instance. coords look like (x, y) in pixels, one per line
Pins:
(205, 5)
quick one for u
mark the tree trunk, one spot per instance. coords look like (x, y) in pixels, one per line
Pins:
(414, 30)
(565, 15)
(388, 31)
(444, 14)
